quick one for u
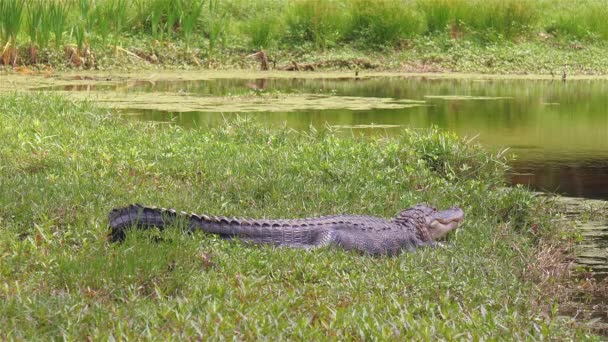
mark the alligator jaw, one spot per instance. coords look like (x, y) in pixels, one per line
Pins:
(442, 222)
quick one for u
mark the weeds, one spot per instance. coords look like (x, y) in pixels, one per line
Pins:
(38, 39)
(263, 28)
(57, 20)
(320, 23)
(43, 34)
(580, 19)
(11, 12)
(190, 17)
(215, 21)
(297, 27)
(383, 23)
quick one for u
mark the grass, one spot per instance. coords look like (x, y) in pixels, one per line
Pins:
(383, 23)
(580, 19)
(486, 19)
(56, 20)
(11, 12)
(320, 23)
(210, 32)
(64, 165)
(323, 24)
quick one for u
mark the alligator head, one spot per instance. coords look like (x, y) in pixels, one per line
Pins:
(431, 223)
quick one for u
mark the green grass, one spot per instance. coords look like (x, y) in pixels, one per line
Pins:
(485, 18)
(383, 23)
(34, 24)
(11, 12)
(64, 165)
(56, 20)
(580, 19)
(209, 32)
(320, 23)
(325, 23)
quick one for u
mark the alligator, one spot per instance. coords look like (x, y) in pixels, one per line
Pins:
(419, 226)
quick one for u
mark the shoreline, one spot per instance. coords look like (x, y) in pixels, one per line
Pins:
(12, 80)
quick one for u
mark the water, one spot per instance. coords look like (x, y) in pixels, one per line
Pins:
(557, 130)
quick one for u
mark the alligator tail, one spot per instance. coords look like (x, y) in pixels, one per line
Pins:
(137, 215)
(278, 232)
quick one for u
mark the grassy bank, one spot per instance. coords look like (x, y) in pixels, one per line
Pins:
(64, 165)
(513, 36)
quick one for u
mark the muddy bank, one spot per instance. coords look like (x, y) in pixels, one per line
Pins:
(18, 79)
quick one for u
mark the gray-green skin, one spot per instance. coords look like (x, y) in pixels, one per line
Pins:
(415, 227)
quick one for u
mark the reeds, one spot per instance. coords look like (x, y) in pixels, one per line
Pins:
(503, 17)
(215, 23)
(581, 19)
(262, 31)
(191, 12)
(383, 23)
(34, 16)
(297, 24)
(117, 13)
(321, 23)
(11, 12)
(56, 20)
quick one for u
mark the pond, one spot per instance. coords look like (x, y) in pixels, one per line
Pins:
(557, 130)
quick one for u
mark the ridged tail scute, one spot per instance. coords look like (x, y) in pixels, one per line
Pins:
(307, 232)
(139, 216)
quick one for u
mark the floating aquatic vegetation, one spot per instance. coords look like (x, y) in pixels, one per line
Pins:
(371, 126)
(465, 97)
(186, 102)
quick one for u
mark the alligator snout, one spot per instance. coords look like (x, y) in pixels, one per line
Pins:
(454, 214)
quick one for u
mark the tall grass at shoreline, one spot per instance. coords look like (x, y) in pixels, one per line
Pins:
(383, 23)
(580, 19)
(318, 24)
(11, 14)
(64, 165)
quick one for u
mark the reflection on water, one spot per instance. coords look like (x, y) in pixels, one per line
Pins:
(558, 130)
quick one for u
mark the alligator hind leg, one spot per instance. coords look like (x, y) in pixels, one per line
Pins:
(320, 240)
(323, 239)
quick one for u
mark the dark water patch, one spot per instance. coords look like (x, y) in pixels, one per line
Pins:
(571, 177)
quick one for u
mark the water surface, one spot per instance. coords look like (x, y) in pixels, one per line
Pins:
(557, 130)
